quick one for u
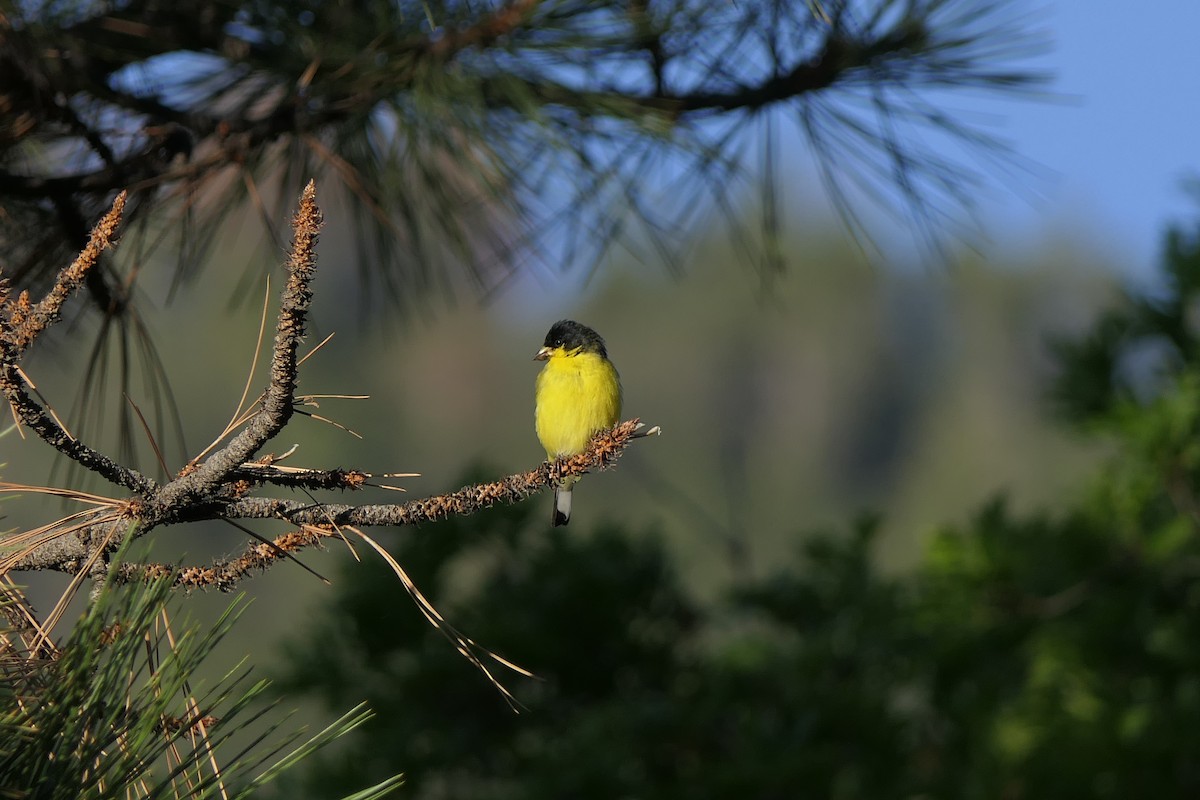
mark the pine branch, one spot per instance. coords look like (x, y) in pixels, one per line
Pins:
(606, 447)
(504, 82)
(321, 520)
(219, 486)
(257, 474)
(483, 32)
(21, 322)
(279, 397)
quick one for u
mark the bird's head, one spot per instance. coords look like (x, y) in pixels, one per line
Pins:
(568, 338)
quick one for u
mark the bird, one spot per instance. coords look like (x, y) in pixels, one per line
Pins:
(577, 393)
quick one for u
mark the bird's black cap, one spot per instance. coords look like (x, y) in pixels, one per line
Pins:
(570, 335)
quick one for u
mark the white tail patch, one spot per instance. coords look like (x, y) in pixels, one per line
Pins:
(562, 506)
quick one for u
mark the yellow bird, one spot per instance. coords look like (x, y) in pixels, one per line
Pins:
(578, 393)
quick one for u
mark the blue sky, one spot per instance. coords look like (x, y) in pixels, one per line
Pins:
(1113, 144)
(1125, 136)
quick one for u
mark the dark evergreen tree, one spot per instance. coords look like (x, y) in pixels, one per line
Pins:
(1052, 654)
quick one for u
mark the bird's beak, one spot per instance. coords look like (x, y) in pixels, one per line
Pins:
(542, 354)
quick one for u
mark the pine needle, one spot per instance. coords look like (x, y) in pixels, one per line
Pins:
(465, 646)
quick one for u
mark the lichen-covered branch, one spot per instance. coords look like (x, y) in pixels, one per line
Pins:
(222, 485)
(279, 397)
(311, 479)
(225, 574)
(320, 520)
(605, 449)
(25, 321)
(22, 321)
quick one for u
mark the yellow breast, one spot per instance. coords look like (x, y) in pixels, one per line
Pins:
(576, 396)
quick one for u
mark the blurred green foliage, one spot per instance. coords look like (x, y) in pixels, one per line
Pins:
(1049, 654)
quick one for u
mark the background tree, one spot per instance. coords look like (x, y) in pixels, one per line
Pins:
(1050, 653)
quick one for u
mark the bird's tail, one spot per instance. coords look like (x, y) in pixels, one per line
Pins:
(562, 506)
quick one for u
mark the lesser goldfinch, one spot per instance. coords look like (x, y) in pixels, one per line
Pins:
(578, 393)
